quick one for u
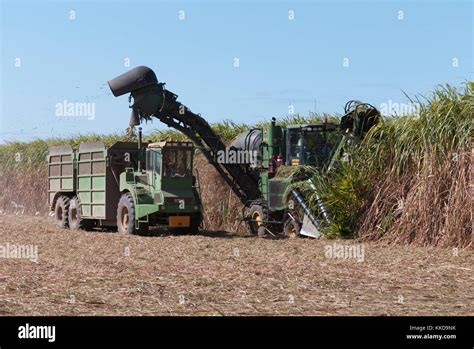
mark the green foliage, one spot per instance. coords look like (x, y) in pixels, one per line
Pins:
(444, 124)
(396, 146)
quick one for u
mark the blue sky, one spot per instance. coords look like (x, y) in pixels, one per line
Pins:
(282, 62)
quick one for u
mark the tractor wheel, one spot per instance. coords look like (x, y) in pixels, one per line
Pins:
(61, 212)
(126, 214)
(75, 216)
(291, 228)
(256, 218)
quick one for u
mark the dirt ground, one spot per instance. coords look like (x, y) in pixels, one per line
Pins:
(218, 273)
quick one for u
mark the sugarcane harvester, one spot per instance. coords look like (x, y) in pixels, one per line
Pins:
(267, 205)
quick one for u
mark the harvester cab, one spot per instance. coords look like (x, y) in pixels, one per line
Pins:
(169, 169)
(310, 145)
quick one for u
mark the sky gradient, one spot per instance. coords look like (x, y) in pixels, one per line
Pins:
(288, 53)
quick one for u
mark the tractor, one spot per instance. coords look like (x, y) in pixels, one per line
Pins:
(129, 186)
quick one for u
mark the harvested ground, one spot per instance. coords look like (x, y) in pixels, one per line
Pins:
(219, 273)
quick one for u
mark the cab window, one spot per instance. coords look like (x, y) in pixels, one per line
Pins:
(312, 148)
(153, 160)
(177, 163)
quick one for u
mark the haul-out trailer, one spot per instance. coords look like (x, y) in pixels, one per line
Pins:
(258, 185)
(127, 185)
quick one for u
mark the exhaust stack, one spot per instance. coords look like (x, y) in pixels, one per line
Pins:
(139, 147)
